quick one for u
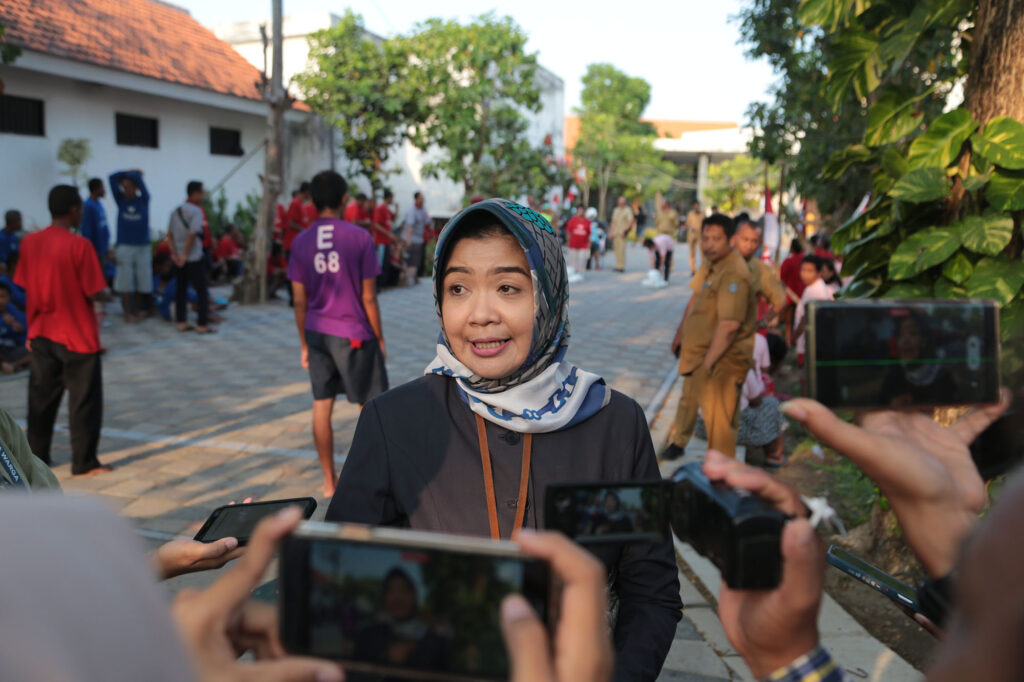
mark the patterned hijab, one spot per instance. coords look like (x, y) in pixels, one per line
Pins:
(546, 393)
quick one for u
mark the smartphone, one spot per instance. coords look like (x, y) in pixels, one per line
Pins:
(898, 591)
(403, 603)
(892, 353)
(592, 513)
(239, 520)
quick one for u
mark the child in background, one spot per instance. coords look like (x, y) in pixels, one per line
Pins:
(578, 229)
(831, 277)
(13, 329)
(597, 240)
(815, 289)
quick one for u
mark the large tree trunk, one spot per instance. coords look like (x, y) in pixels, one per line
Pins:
(995, 82)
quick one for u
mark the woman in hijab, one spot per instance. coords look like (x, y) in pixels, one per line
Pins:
(500, 414)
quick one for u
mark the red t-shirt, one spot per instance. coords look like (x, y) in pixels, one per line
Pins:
(301, 213)
(162, 247)
(59, 272)
(382, 216)
(354, 212)
(579, 232)
(789, 273)
(226, 248)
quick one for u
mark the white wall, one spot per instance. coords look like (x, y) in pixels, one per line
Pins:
(73, 108)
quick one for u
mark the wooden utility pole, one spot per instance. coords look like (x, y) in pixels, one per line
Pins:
(254, 284)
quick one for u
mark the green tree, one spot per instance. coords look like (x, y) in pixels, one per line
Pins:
(73, 153)
(615, 147)
(354, 82)
(471, 83)
(736, 183)
(948, 192)
(8, 52)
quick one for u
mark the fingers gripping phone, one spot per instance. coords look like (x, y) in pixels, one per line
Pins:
(901, 593)
(239, 520)
(891, 353)
(401, 602)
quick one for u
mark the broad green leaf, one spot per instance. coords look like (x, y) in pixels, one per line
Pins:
(890, 118)
(941, 143)
(867, 258)
(958, 268)
(986, 234)
(897, 47)
(841, 160)
(922, 250)
(975, 181)
(909, 290)
(855, 226)
(1001, 142)
(921, 185)
(862, 288)
(1011, 321)
(854, 63)
(997, 278)
(947, 289)
(894, 163)
(1005, 191)
(819, 12)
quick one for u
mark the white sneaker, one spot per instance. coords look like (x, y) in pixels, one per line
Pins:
(660, 284)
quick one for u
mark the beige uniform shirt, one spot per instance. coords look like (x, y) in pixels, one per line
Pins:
(622, 218)
(766, 284)
(667, 222)
(694, 220)
(725, 293)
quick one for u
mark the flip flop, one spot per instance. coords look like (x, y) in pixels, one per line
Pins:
(186, 328)
(208, 330)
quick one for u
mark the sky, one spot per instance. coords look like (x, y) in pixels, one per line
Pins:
(687, 49)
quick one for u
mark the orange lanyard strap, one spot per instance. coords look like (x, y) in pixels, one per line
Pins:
(524, 477)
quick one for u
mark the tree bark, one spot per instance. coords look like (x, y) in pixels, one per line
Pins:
(995, 81)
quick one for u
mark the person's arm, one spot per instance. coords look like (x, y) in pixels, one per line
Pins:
(300, 302)
(647, 584)
(37, 473)
(136, 175)
(90, 274)
(677, 340)
(116, 190)
(725, 334)
(732, 303)
(369, 296)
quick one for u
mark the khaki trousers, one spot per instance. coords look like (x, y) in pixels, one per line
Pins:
(718, 396)
(693, 241)
(619, 244)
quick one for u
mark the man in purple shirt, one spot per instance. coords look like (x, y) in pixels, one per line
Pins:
(333, 268)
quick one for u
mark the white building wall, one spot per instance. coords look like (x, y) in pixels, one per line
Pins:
(77, 109)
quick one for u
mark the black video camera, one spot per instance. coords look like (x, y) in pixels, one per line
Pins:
(738, 531)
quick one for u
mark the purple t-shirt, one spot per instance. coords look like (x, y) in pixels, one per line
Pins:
(331, 258)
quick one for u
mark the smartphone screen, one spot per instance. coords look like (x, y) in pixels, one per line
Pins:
(596, 513)
(898, 591)
(421, 612)
(903, 353)
(239, 520)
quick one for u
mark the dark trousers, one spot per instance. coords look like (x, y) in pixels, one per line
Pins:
(667, 264)
(193, 273)
(53, 369)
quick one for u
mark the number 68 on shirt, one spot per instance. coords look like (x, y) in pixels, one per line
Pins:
(329, 262)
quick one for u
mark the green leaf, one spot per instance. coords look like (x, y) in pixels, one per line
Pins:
(1005, 190)
(891, 118)
(947, 289)
(941, 143)
(1001, 142)
(867, 258)
(819, 13)
(841, 160)
(975, 181)
(922, 250)
(854, 63)
(909, 290)
(996, 278)
(986, 234)
(894, 163)
(1011, 321)
(861, 288)
(921, 185)
(958, 268)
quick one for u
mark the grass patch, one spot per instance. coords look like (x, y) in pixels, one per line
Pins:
(850, 492)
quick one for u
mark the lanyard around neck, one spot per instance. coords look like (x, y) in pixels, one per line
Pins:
(524, 477)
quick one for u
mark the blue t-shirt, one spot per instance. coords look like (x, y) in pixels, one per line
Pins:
(132, 214)
(17, 293)
(94, 227)
(9, 338)
(8, 244)
(165, 293)
(331, 258)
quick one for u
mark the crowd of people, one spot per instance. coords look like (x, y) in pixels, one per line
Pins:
(470, 447)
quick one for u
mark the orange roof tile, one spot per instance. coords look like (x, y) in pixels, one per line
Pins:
(138, 36)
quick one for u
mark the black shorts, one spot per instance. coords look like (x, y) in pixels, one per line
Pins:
(335, 367)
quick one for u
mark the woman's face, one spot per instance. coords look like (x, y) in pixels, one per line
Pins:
(487, 305)
(908, 341)
(399, 598)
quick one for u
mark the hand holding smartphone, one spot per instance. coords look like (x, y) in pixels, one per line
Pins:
(239, 520)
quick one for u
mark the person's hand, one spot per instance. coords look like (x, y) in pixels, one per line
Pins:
(218, 625)
(772, 628)
(177, 557)
(304, 359)
(383, 349)
(9, 319)
(925, 470)
(582, 644)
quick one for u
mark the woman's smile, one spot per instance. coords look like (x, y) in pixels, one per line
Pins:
(487, 348)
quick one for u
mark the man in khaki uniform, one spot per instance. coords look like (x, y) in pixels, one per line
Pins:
(623, 221)
(715, 342)
(694, 219)
(667, 220)
(747, 241)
